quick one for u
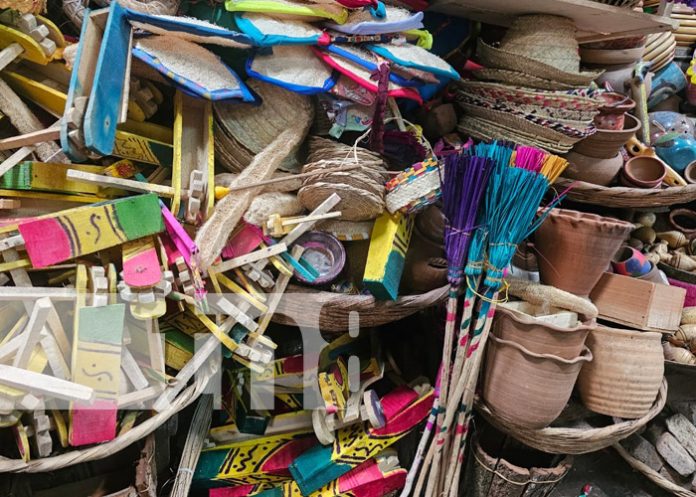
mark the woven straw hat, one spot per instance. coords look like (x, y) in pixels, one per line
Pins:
(521, 79)
(541, 45)
(243, 130)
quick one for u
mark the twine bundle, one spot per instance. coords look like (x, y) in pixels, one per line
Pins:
(361, 190)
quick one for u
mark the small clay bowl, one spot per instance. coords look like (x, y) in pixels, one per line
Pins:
(630, 262)
(325, 253)
(643, 172)
(690, 173)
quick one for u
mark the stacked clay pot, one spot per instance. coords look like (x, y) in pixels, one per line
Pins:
(531, 368)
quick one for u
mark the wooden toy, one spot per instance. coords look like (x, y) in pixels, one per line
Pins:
(141, 265)
(85, 230)
(277, 226)
(53, 177)
(96, 362)
(193, 167)
(386, 257)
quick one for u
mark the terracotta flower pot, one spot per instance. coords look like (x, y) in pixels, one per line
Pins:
(643, 172)
(606, 143)
(537, 336)
(527, 389)
(626, 373)
(592, 170)
(575, 248)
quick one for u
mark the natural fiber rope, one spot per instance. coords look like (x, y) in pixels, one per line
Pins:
(502, 477)
(109, 448)
(26, 122)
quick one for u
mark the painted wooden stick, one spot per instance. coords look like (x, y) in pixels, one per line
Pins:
(27, 139)
(251, 257)
(45, 384)
(32, 332)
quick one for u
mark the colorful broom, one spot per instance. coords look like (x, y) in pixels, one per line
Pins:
(465, 180)
(512, 201)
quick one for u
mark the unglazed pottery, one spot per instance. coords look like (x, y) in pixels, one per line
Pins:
(593, 170)
(630, 262)
(612, 113)
(527, 389)
(575, 248)
(684, 220)
(643, 172)
(690, 173)
(539, 336)
(626, 373)
(606, 143)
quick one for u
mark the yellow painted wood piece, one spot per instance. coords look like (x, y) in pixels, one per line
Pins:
(82, 199)
(54, 33)
(214, 329)
(51, 177)
(32, 50)
(234, 287)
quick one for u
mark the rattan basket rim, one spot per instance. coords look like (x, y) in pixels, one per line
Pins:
(95, 452)
(619, 196)
(559, 440)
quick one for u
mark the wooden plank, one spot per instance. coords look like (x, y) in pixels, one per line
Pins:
(595, 21)
(121, 183)
(31, 50)
(104, 106)
(257, 255)
(52, 177)
(10, 53)
(32, 332)
(43, 384)
(14, 159)
(43, 135)
(277, 295)
(132, 370)
(96, 363)
(85, 230)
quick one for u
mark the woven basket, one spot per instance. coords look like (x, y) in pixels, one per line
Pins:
(559, 440)
(653, 475)
(619, 196)
(101, 451)
(336, 308)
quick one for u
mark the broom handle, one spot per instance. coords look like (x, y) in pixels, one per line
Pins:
(463, 337)
(466, 407)
(425, 437)
(444, 378)
(426, 469)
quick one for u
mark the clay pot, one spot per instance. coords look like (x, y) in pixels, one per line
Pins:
(426, 267)
(612, 113)
(643, 172)
(606, 143)
(537, 336)
(690, 173)
(630, 262)
(527, 389)
(626, 373)
(609, 56)
(592, 170)
(617, 77)
(575, 248)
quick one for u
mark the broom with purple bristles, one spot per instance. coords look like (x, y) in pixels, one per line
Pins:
(512, 200)
(465, 180)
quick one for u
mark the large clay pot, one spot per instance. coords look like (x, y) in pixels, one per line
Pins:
(527, 389)
(575, 248)
(626, 373)
(606, 143)
(537, 336)
(592, 170)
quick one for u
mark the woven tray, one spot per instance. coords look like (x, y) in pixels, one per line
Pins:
(573, 440)
(652, 475)
(619, 196)
(336, 308)
(95, 452)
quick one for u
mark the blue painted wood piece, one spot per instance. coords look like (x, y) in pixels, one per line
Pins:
(75, 89)
(104, 106)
